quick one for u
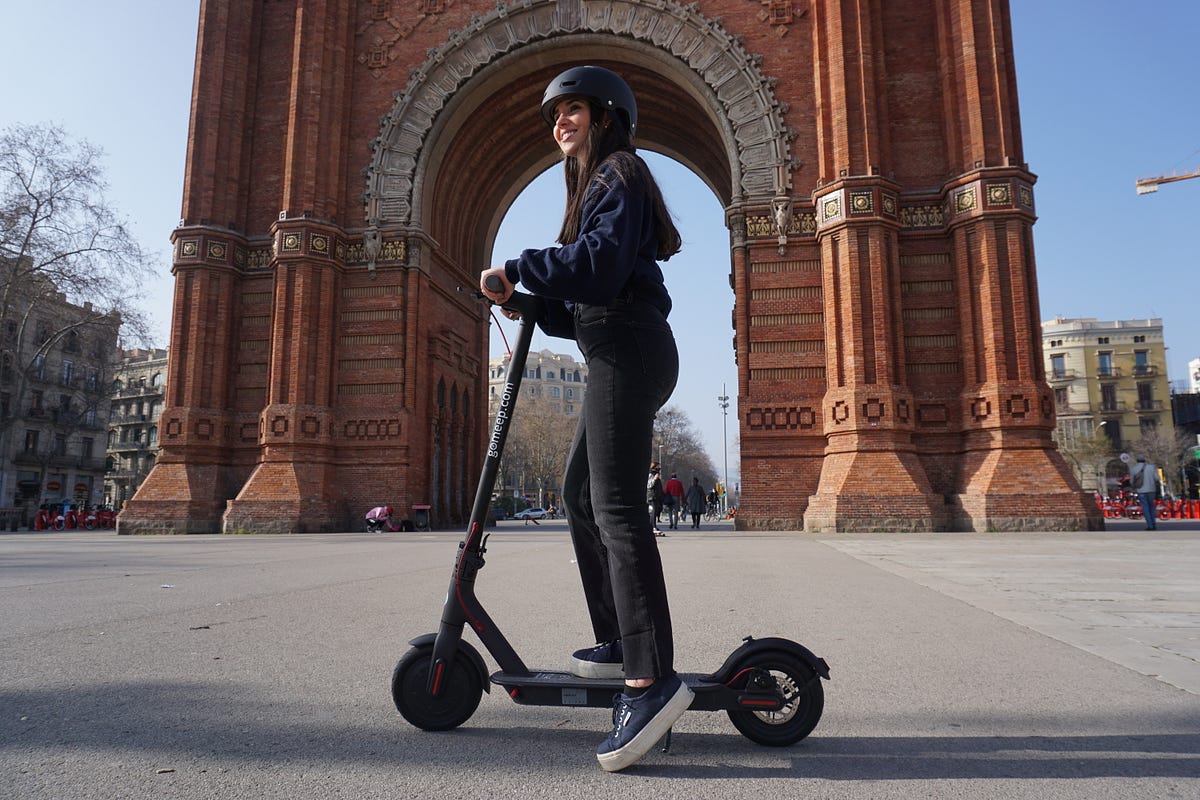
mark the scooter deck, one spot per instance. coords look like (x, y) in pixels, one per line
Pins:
(565, 689)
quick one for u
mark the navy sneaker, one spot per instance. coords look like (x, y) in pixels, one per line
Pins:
(639, 722)
(602, 662)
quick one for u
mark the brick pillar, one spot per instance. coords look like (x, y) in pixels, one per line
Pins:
(871, 478)
(1012, 477)
(294, 486)
(191, 479)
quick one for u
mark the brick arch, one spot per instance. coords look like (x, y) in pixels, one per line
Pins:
(705, 66)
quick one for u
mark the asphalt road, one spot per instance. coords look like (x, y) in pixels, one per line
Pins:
(978, 666)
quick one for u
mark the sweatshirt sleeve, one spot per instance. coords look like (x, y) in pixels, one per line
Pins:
(594, 268)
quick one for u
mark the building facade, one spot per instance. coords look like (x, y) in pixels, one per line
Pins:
(1108, 377)
(339, 193)
(138, 389)
(54, 382)
(559, 379)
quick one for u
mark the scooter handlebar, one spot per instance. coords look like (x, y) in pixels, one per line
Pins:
(525, 304)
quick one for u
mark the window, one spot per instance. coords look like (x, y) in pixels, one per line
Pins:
(36, 403)
(1060, 397)
(1105, 369)
(570, 394)
(31, 441)
(68, 372)
(1058, 365)
(156, 379)
(1148, 424)
(1145, 393)
(152, 436)
(1102, 340)
(60, 444)
(556, 392)
(1141, 363)
(39, 367)
(86, 447)
(1108, 397)
(1139, 339)
(93, 379)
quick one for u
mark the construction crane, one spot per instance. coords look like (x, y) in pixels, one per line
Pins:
(1148, 185)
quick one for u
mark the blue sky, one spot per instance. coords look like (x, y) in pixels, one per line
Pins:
(1107, 95)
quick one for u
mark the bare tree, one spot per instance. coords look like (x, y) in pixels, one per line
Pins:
(678, 444)
(70, 278)
(1088, 454)
(538, 444)
(1169, 450)
(58, 232)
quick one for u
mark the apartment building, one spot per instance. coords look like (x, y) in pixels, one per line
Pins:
(559, 378)
(138, 390)
(1108, 377)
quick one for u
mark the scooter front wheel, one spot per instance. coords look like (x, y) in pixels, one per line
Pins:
(803, 695)
(459, 698)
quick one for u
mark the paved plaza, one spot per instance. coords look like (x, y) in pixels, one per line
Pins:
(1062, 665)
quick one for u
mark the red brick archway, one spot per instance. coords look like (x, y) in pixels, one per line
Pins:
(349, 164)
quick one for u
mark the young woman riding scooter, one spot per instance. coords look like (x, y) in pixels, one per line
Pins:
(603, 288)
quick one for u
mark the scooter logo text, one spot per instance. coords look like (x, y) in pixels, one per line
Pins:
(493, 450)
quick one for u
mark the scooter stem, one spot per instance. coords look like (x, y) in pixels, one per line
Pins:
(462, 606)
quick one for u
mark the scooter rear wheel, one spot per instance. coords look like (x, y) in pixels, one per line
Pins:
(803, 695)
(458, 701)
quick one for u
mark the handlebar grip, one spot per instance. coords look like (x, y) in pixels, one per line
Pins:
(526, 304)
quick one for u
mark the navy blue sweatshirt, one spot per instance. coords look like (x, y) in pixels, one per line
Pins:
(617, 247)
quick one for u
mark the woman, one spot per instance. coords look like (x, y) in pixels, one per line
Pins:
(695, 502)
(603, 288)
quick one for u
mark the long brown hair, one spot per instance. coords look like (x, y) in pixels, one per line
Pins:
(608, 143)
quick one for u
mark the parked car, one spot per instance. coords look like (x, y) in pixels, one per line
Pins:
(531, 513)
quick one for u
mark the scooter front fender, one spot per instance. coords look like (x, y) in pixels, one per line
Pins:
(428, 639)
(752, 646)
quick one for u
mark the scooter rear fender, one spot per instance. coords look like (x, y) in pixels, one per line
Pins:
(473, 656)
(754, 646)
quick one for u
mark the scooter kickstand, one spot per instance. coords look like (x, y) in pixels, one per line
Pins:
(666, 742)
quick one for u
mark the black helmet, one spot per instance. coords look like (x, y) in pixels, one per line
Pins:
(602, 85)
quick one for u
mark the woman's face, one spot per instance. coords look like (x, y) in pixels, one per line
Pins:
(572, 121)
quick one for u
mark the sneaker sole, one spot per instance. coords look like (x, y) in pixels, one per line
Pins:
(657, 728)
(595, 670)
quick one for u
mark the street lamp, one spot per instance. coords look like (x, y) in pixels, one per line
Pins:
(723, 401)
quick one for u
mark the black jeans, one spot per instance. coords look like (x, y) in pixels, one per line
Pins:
(632, 368)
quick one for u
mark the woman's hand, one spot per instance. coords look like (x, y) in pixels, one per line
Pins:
(501, 296)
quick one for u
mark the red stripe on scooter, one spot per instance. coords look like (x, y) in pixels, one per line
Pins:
(759, 703)
(475, 623)
(437, 677)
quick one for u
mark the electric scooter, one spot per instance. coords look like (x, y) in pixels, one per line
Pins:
(770, 688)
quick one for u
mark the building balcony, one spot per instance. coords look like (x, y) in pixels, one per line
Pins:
(1060, 375)
(1149, 405)
(1108, 373)
(1145, 370)
(127, 447)
(1116, 407)
(1068, 410)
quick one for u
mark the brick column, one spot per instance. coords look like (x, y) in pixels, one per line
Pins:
(187, 487)
(293, 488)
(1012, 477)
(871, 478)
